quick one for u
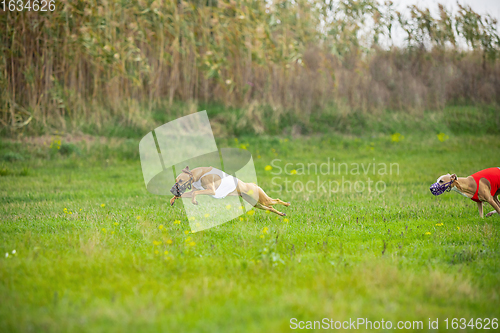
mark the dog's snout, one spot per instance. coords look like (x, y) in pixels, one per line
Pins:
(438, 189)
(178, 190)
(175, 190)
(434, 189)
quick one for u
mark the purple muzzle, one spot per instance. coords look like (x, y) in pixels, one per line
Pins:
(438, 189)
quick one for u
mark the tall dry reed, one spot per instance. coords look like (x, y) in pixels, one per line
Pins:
(92, 60)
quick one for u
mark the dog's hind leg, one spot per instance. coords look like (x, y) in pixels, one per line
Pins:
(271, 209)
(497, 202)
(256, 196)
(268, 201)
(278, 201)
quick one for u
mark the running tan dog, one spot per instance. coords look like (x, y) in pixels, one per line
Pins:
(483, 186)
(216, 183)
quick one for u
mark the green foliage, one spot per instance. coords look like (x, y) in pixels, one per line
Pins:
(480, 32)
(257, 119)
(11, 156)
(24, 172)
(422, 28)
(68, 149)
(4, 171)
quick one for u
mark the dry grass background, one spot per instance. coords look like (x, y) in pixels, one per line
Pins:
(94, 62)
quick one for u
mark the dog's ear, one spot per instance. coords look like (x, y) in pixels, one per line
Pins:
(186, 170)
(454, 182)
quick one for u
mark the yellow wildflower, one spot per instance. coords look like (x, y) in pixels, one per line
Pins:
(293, 172)
(442, 137)
(160, 226)
(169, 241)
(265, 230)
(206, 215)
(116, 223)
(138, 217)
(103, 205)
(242, 219)
(396, 137)
(427, 233)
(268, 168)
(166, 252)
(156, 243)
(251, 212)
(177, 222)
(261, 236)
(192, 244)
(228, 206)
(186, 232)
(103, 230)
(286, 220)
(187, 239)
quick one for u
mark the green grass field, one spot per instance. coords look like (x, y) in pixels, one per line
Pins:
(96, 252)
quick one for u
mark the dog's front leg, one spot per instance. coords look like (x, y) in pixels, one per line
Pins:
(184, 195)
(208, 191)
(495, 205)
(495, 198)
(480, 208)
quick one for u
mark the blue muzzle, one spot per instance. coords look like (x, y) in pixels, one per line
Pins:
(438, 189)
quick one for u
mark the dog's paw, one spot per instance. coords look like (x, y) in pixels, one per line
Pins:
(194, 202)
(288, 204)
(491, 213)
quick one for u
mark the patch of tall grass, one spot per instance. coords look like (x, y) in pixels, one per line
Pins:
(91, 63)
